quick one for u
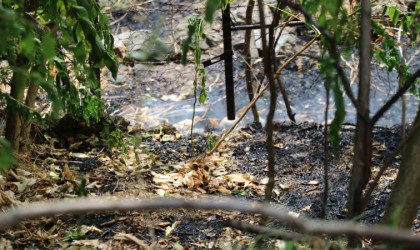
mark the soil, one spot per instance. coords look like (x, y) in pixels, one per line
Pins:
(299, 186)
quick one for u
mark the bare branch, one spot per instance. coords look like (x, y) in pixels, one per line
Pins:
(332, 49)
(396, 96)
(14, 216)
(260, 93)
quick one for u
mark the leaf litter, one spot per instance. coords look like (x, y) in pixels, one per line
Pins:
(164, 169)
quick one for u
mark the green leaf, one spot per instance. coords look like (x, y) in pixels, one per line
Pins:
(111, 63)
(27, 44)
(211, 7)
(203, 96)
(48, 46)
(188, 41)
(81, 11)
(80, 52)
(7, 158)
(339, 115)
(393, 14)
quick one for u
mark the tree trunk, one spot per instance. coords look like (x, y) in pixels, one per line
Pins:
(29, 102)
(13, 121)
(403, 204)
(248, 61)
(361, 171)
(268, 50)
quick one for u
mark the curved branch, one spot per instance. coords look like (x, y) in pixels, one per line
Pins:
(396, 96)
(13, 216)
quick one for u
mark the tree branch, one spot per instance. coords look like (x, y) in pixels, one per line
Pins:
(13, 216)
(260, 93)
(396, 96)
(333, 50)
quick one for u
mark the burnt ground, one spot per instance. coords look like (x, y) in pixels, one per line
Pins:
(299, 184)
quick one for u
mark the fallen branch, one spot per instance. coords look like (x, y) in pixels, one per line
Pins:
(279, 70)
(36, 210)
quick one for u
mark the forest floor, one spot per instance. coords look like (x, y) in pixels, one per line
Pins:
(162, 167)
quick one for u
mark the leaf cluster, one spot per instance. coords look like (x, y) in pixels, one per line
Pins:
(62, 43)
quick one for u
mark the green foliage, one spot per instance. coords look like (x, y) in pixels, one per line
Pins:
(120, 140)
(225, 3)
(7, 158)
(333, 82)
(211, 141)
(388, 50)
(195, 32)
(75, 234)
(333, 17)
(80, 189)
(211, 7)
(84, 44)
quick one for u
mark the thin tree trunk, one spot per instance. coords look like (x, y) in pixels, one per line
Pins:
(361, 171)
(29, 102)
(13, 121)
(326, 153)
(269, 72)
(362, 144)
(248, 61)
(403, 204)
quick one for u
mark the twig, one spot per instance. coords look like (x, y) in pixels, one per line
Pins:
(223, 137)
(118, 20)
(35, 210)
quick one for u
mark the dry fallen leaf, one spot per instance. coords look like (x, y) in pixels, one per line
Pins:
(91, 229)
(169, 230)
(293, 214)
(67, 173)
(284, 186)
(140, 243)
(160, 192)
(313, 182)
(307, 208)
(239, 178)
(223, 190)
